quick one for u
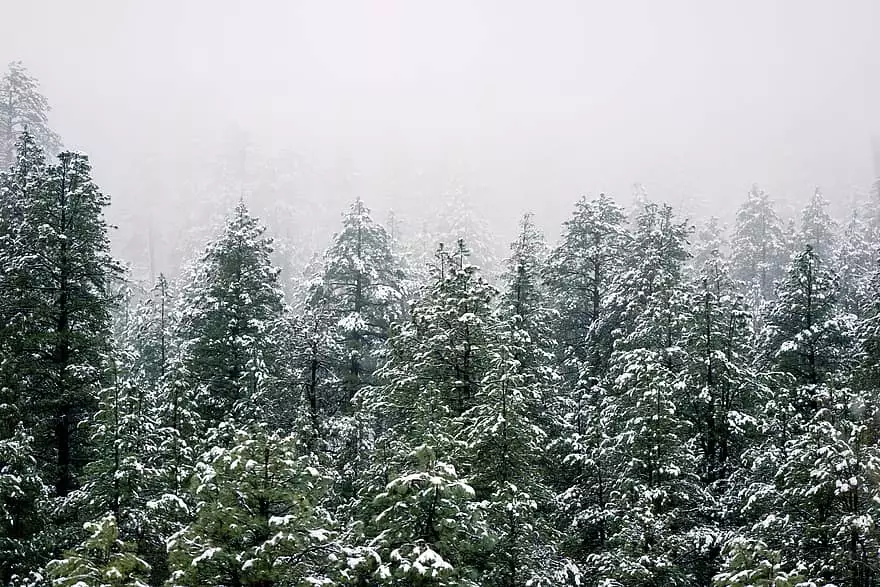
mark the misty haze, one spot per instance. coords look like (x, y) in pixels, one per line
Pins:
(387, 292)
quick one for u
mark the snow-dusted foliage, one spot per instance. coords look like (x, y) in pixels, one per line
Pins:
(228, 313)
(258, 518)
(638, 404)
(23, 108)
(759, 248)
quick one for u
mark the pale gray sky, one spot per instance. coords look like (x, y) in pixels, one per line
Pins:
(526, 103)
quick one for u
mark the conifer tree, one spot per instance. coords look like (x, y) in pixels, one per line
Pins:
(505, 427)
(58, 259)
(817, 227)
(436, 367)
(25, 539)
(101, 559)
(23, 108)
(229, 312)
(758, 245)
(726, 390)
(709, 243)
(360, 290)
(810, 487)
(579, 274)
(259, 517)
(119, 480)
(655, 498)
(853, 260)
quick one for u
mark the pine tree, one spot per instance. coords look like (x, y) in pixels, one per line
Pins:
(361, 292)
(709, 243)
(428, 527)
(24, 505)
(437, 363)
(229, 312)
(119, 480)
(259, 517)
(505, 427)
(655, 497)
(505, 444)
(810, 485)
(579, 274)
(817, 228)
(150, 333)
(805, 334)
(758, 247)
(726, 388)
(101, 559)
(23, 108)
(853, 261)
(454, 219)
(58, 258)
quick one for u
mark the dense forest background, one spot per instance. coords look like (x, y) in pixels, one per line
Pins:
(650, 400)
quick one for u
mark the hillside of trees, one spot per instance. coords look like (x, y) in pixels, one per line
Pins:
(649, 401)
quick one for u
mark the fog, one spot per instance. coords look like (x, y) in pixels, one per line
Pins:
(519, 105)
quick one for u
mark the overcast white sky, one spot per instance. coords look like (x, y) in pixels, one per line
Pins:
(526, 103)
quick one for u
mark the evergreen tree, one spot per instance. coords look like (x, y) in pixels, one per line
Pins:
(853, 261)
(23, 108)
(655, 498)
(58, 259)
(579, 275)
(810, 488)
(24, 505)
(805, 334)
(758, 245)
(118, 481)
(436, 367)
(726, 389)
(360, 290)
(150, 333)
(817, 228)
(428, 527)
(505, 443)
(505, 427)
(709, 243)
(229, 312)
(259, 517)
(101, 559)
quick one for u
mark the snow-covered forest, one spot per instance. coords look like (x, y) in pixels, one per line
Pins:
(651, 399)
